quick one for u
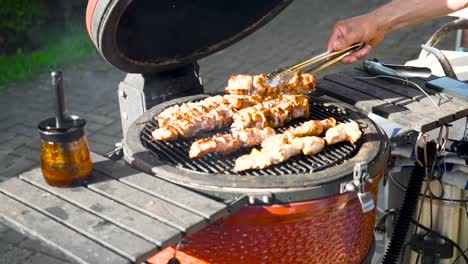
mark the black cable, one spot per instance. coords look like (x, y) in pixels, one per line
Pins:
(404, 188)
(459, 255)
(450, 241)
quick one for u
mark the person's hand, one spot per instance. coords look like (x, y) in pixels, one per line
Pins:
(355, 30)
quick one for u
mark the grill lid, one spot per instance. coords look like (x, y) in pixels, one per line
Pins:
(151, 36)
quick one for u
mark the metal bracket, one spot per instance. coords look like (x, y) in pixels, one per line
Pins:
(360, 178)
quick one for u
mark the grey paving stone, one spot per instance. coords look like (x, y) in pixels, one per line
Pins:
(22, 130)
(93, 127)
(15, 255)
(20, 165)
(111, 129)
(12, 237)
(44, 251)
(13, 143)
(44, 259)
(5, 247)
(103, 139)
(3, 228)
(32, 154)
(100, 148)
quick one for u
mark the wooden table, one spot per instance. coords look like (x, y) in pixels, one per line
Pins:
(121, 216)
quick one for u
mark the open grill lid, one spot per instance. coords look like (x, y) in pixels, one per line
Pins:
(152, 36)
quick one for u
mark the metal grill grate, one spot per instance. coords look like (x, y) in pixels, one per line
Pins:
(176, 153)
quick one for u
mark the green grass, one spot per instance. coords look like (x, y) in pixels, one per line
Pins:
(57, 51)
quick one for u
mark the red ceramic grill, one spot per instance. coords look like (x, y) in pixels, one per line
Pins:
(309, 209)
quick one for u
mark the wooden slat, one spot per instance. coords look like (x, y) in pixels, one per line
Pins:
(187, 199)
(442, 115)
(97, 229)
(446, 102)
(161, 210)
(379, 107)
(131, 220)
(72, 243)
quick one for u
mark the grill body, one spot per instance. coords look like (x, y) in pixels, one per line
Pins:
(327, 230)
(298, 213)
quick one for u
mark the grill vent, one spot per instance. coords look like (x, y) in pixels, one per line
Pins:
(176, 153)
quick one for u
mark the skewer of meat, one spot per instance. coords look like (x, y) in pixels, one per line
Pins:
(343, 132)
(281, 147)
(274, 154)
(176, 112)
(311, 128)
(228, 143)
(243, 84)
(190, 118)
(249, 137)
(272, 113)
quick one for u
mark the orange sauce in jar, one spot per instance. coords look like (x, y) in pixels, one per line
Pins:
(66, 164)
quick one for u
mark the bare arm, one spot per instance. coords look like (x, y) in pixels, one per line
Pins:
(373, 26)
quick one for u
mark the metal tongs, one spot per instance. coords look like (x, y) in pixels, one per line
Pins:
(312, 65)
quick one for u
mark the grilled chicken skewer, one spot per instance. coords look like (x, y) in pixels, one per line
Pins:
(260, 159)
(311, 128)
(282, 147)
(343, 132)
(228, 143)
(249, 137)
(243, 84)
(190, 118)
(272, 113)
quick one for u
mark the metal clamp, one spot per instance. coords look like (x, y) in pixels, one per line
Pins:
(360, 178)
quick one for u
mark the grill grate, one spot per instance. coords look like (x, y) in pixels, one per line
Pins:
(176, 153)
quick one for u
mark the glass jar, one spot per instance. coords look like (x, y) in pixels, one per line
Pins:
(65, 157)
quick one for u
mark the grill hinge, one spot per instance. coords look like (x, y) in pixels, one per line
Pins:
(360, 178)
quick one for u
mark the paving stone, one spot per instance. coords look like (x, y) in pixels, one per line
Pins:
(100, 148)
(22, 130)
(13, 143)
(44, 251)
(15, 255)
(20, 165)
(111, 129)
(103, 139)
(33, 154)
(45, 259)
(12, 237)
(3, 228)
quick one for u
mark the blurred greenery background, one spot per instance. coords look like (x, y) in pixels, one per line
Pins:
(39, 35)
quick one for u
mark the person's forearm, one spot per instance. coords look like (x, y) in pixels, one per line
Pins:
(402, 13)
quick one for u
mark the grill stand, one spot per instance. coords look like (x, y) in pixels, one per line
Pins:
(139, 92)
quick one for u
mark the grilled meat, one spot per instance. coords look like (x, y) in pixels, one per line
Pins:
(311, 128)
(276, 153)
(309, 145)
(343, 132)
(281, 147)
(257, 85)
(272, 113)
(260, 159)
(228, 143)
(190, 118)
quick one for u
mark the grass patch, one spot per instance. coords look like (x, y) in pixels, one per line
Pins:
(58, 50)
